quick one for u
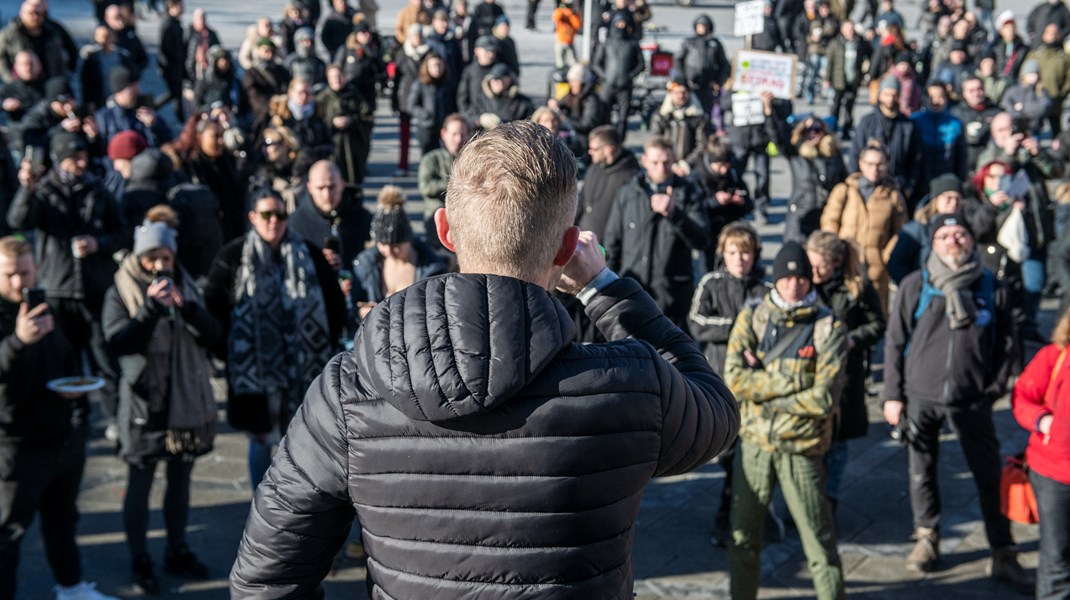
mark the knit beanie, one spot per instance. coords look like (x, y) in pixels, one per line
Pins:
(792, 261)
(391, 224)
(121, 78)
(66, 144)
(938, 221)
(890, 83)
(152, 235)
(944, 183)
(126, 145)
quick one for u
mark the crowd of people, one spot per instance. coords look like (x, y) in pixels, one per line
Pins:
(219, 229)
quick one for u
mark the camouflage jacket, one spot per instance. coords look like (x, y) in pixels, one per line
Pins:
(786, 403)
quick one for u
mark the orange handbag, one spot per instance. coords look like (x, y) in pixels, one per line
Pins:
(1016, 499)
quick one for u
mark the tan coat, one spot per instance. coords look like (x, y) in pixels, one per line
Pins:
(873, 226)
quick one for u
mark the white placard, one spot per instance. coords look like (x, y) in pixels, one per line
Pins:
(750, 18)
(756, 72)
(747, 109)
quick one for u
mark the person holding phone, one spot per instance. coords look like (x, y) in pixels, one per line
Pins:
(331, 216)
(156, 323)
(42, 432)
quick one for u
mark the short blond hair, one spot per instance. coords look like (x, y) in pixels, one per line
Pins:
(510, 199)
(14, 246)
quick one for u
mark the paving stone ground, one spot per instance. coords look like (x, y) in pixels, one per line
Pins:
(673, 556)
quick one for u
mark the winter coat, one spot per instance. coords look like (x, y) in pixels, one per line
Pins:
(194, 70)
(901, 141)
(816, 169)
(703, 61)
(754, 138)
(364, 67)
(28, 93)
(720, 215)
(262, 84)
(977, 126)
(656, 250)
(351, 223)
(406, 73)
(221, 176)
(516, 470)
(432, 179)
(311, 133)
(30, 413)
(470, 86)
(507, 54)
(1054, 66)
(1044, 13)
(449, 49)
(911, 248)
(972, 362)
(943, 145)
(863, 322)
(127, 39)
(617, 62)
(510, 106)
(59, 58)
(1031, 103)
(769, 39)
(334, 30)
(1040, 391)
(600, 186)
(311, 68)
(228, 89)
(94, 75)
(788, 403)
(837, 63)
(582, 113)
(430, 104)
(1009, 57)
(368, 270)
(113, 119)
(171, 59)
(873, 224)
(142, 430)
(55, 213)
(718, 299)
(1039, 169)
(685, 127)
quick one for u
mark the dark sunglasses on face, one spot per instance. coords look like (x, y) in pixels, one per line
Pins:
(267, 214)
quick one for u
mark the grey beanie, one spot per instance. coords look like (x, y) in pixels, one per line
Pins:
(890, 82)
(304, 33)
(1030, 67)
(152, 235)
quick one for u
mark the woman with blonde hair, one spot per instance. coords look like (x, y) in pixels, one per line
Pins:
(844, 289)
(1040, 407)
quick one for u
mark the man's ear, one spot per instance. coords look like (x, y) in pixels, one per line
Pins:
(443, 226)
(568, 246)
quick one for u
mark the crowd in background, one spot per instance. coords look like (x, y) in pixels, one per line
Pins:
(218, 228)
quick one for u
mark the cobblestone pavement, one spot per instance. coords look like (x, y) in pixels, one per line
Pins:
(673, 556)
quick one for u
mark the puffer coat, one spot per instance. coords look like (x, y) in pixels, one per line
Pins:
(497, 459)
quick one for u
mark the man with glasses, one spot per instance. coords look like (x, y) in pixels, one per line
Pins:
(949, 349)
(611, 167)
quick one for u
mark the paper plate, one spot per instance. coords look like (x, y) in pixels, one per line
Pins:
(76, 385)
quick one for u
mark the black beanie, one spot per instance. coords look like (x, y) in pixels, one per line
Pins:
(944, 183)
(938, 221)
(66, 144)
(792, 261)
(121, 78)
(391, 226)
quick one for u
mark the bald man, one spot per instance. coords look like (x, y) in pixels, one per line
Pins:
(330, 215)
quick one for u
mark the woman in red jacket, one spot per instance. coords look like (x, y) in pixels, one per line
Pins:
(1042, 405)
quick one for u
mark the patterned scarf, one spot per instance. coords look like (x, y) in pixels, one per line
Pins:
(177, 369)
(279, 338)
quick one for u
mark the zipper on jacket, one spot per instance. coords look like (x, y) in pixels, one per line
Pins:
(947, 377)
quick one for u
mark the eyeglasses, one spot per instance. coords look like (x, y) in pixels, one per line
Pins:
(595, 148)
(267, 214)
(958, 236)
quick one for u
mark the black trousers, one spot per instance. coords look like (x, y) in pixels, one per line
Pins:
(619, 104)
(175, 503)
(844, 100)
(977, 436)
(81, 324)
(45, 480)
(761, 172)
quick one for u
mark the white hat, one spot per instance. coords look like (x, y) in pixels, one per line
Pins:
(1004, 17)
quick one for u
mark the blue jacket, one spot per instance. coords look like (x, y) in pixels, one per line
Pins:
(113, 119)
(943, 144)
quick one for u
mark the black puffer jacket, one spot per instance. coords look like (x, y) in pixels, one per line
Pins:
(703, 60)
(600, 187)
(816, 168)
(472, 477)
(715, 306)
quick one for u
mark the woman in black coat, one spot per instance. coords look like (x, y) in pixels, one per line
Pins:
(206, 161)
(816, 167)
(156, 323)
(432, 98)
(842, 287)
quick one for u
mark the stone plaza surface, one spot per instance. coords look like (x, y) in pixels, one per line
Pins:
(673, 556)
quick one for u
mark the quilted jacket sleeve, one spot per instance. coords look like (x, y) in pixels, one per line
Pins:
(700, 416)
(301, 513)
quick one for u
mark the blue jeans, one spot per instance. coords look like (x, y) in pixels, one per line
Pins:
(813, 76)
(836, 459)
(1033, 279)
(259, 458)
(1053, 570)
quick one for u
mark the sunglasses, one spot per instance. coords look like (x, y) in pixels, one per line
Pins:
(267, 214)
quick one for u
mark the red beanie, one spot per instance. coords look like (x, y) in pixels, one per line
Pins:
(126, 144)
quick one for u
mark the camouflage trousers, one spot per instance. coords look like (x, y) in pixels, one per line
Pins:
(802, 479)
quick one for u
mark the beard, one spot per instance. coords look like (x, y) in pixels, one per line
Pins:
(956, 259)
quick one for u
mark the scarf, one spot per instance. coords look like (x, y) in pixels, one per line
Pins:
(177, 367)
(279, 338)
(955, 285)
(866, 188)
(298, 111)
(809, 300)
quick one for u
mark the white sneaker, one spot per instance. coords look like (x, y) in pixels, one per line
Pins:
(81, 591)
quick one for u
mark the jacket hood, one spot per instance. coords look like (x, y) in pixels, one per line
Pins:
(459, 345)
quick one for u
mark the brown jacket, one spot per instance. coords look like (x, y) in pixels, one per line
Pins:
(872, 225)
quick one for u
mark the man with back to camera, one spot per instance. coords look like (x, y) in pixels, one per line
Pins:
(481, 459)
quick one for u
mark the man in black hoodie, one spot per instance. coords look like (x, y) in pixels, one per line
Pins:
(42, 432)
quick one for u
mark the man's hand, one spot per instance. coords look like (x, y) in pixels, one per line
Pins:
(587, 262)
(662, 203)
(31, 326)
(767, 103)
(84, 245)
(723, 198)
(71, 124)
(1044, 425)
(146, 115)
(893, 412)
(11, 104)
(1031, 145)
(751, 360)
(161, 292)
(333, 258)
(340, 122)
(27, 178)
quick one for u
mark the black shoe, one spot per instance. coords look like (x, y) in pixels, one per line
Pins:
(144, 577)
(184, 563)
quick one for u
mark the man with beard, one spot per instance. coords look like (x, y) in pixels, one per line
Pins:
(303, 63)
(434, 174)
(611, 167)
(976, 112)
(952, 323)
(893, 130)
